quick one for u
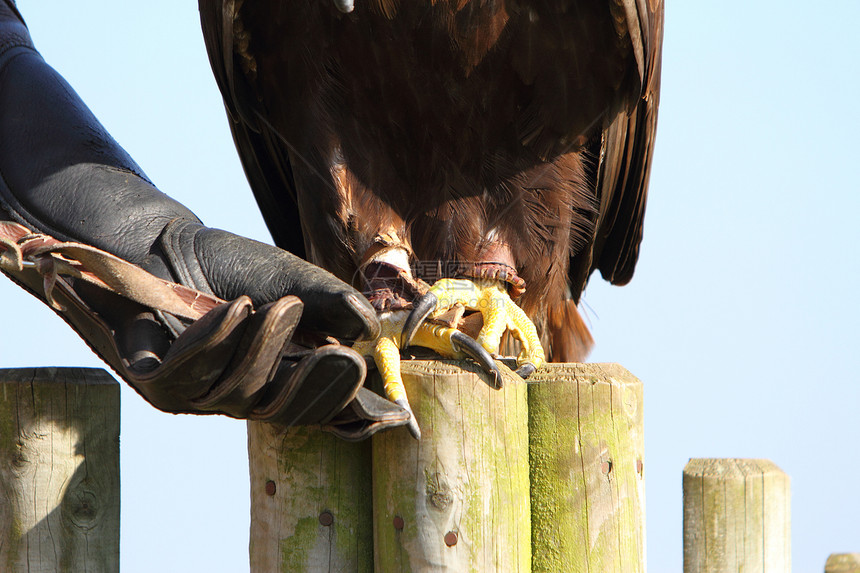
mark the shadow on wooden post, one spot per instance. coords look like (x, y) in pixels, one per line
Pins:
(59, 470)
(310, 501)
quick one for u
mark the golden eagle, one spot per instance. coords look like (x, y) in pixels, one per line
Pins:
(501, 141)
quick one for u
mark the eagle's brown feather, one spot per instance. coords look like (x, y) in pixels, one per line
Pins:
(454, 123)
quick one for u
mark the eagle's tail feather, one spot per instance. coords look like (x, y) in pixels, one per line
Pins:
(563, 333)
(567, 338)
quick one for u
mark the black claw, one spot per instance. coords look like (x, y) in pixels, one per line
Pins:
(412, 424)
(476, 352)
(526, 370)
(420, 311)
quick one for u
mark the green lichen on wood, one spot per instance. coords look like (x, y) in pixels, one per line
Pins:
(325, 474)
(554, 445)
(586, 491)
(296, 549)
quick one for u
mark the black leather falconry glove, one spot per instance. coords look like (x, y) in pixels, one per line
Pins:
(146, 284)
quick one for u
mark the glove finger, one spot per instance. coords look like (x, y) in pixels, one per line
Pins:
(368, 414)
(313, 390)
(234, 266)
(196, 360)
(255, 360)
(337, 310)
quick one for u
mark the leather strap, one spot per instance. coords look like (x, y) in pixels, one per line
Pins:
(57, 261)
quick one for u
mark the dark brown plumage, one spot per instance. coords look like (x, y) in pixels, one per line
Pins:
(466, 127)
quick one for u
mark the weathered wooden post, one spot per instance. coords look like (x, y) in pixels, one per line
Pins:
(310, 501)
(464, 497)
(737, 516)
(59, 470)
(458, 499)
(587, 486)
(843, 563)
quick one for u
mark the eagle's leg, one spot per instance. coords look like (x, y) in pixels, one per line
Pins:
(446, 341)
(499, 312)
(392, 290)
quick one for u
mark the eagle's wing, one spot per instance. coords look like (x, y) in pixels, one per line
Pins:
(264, 155)
(624, 151)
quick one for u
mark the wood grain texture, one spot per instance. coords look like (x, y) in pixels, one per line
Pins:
(311, 473)
(461, 493)
(587, 486)
(843, 563)
(737, 516)
(59, 470)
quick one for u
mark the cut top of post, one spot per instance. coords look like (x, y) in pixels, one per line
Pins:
(730, 467)
(55, 375)
(843, 563)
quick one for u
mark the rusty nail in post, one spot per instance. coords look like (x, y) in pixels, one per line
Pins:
(326, 518)
(398, 523)
(606, 466)
(451, 539)
(639, 467)
(270, 488)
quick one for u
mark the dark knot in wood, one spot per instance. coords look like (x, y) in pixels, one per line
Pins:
(81, 508)
(438, 491)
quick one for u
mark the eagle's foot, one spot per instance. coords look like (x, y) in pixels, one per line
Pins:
(446, 341)
(499, 313)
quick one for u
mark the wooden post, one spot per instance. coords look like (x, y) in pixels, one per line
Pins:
(59, 470)
(843, 563)
(310, 501)
(458, 499)
(463, 497)
(737, 516)
(587, 487)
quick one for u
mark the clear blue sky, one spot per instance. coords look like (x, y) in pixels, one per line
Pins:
(741, 320)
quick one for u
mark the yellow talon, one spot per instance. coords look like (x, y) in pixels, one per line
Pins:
(499, 312)
(386, 355)
(437, 337)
